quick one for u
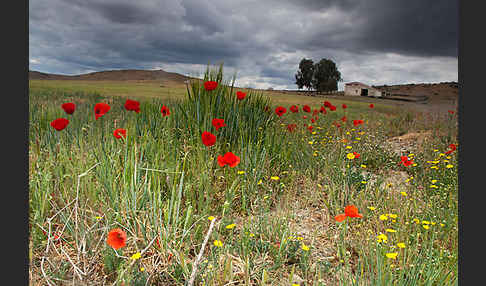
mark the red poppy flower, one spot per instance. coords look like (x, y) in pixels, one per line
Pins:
(332, 107)
(450, 111)
(291, 127)
(101, 109)
(344, 118)
(323, 110)
(132, 105)
(306, 108)
(240, 95)
(210, 85)
(117, 238)
(407, 163)
(349, 211)
(336, 124)
(372, 105)
(313, 120)
(305, 116)
(452, 148)
(165, 111)
(352, 211)
(119, 132)
(228, 159)
(340, 217)
(357, 122)
(404, 160)
(315, 111)
(356, 155)
(68, 107)
(294, 108)
(60, 123)
(208, 138)
(345, 106)
(280, 110)
(327, 104)
(310, 127)
(218, 123)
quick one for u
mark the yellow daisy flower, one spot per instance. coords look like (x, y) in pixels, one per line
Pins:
(392, 255)
(383, 217)
(305, 247)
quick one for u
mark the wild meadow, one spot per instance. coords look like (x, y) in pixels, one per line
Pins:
(131, 191)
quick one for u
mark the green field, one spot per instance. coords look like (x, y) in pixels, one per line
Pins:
(273, 214)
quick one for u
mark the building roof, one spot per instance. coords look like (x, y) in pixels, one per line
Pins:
(355, 83)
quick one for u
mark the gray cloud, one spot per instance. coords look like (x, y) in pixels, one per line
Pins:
(262, 40)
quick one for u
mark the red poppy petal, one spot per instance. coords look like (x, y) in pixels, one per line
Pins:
(340, 217)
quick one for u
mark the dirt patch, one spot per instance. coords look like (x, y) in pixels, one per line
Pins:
(410, 142)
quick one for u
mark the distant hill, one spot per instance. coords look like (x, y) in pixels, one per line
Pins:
(436, 92)
(114, 75)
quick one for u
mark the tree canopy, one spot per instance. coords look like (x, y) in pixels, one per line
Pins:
(321, 76)
(303, 77)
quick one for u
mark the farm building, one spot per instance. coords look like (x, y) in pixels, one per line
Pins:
(361, 89)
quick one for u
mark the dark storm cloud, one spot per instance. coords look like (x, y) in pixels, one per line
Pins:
(262, 40)
(413, 27)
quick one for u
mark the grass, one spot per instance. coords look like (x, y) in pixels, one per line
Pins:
(161, 184)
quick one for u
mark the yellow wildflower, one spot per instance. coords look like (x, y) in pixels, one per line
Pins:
(449, 166)
(218, 243)
(390, 230)
(136, 256)
(392, 255)
(393, 215)
(241, 172)
(425, 226)
(275, 178)
(305, 247)
(350, 156)
(383, 217)
(382, 238)
(211, 218)
(401, 245)
(371, 208)
(403, 194)
(230, 226)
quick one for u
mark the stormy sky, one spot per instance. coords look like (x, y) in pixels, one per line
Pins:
(372, 41)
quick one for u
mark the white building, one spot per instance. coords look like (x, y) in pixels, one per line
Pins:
(361, 89)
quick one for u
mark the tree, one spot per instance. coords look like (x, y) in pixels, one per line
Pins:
(326, 76)
(303, 77)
